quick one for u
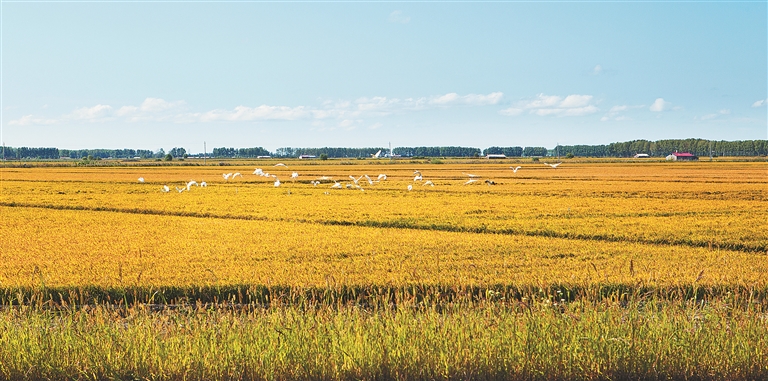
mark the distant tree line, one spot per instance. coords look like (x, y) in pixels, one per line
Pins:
(240, 152)
(658, 148)
(437, 151)
(507, 151)
(337, 152)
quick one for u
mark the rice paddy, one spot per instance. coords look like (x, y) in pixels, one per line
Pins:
(589, 271)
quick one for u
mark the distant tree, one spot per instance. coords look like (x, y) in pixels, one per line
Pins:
(178, 152)
(323, 156)
(168, 157)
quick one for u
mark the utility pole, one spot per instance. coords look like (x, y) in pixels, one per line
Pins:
(204, 153)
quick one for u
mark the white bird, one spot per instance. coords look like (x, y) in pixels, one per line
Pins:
(226, 176)
(259, 172)
(141, 180)
(382, 177)
(471, 176)
(417, 173)
(428, 183)
(277, 182)
(418, 177)
(203, 184)
(191, 183)
(236, 174)
(295, 175)
(355, 180)
(470, 181)
(553, 165)
(165, 189)
(514, 170)
(280, 165)
(336, 185)
(180, 189)
(325, 178)
(370, 182)
(315, 183)
(410, 187)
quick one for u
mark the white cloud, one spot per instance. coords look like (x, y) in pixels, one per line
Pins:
(126, 110)
(263, 112)
(375, 126)
(398, 17)
(715, 115)
(597, 70)
(512, 111)
(547, 105)
(28, 120)
(157, 110)
(469, 99)
(615, 112)
(760, 103)
(158, 105)
(572, 101)
(91, 113)
(659, 105)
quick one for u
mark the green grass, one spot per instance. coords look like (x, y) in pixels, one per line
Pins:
(488, 337)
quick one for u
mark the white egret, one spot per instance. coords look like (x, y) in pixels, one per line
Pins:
(180, 189)
(295, 175)
(470, 181)
(280, 165)
(418, 177)
(428, 183)
(370, 182)
(514, 170)
(417, 173)
(277, 182)
(226, 176)
(315, 183)
(553, 165)
(191, 183)
(141, 180)
(325, 178)
(355, 180)
(471, 176)
(165, 189)
(336, 185)
(410, 187)
(236, 174)
(203, 184)
(382, 177)
(259, 172)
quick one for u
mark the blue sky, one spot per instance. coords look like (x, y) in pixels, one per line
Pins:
(311, 74)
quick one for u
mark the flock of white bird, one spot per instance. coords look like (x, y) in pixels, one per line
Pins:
(356, 182)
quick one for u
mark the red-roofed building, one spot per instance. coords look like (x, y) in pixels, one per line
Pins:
(682, 156)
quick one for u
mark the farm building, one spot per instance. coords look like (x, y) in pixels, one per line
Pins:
(642, 156)
(677, 156)
(496, 156)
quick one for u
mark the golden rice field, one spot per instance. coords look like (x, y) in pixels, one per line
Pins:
(591, 270)
(579, 223)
